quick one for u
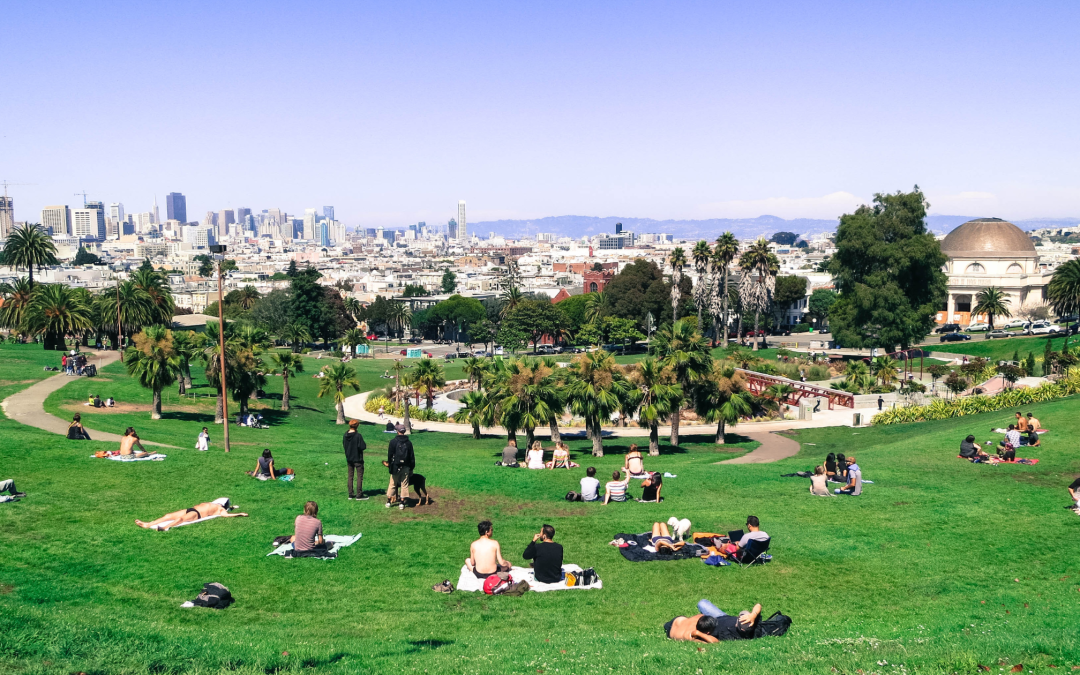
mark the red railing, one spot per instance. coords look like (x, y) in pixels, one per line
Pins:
(759, 382)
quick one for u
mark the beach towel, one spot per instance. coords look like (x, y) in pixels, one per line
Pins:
(468, 582)
(339, 542)
(640, 549)
(286, 478)
(155, 457)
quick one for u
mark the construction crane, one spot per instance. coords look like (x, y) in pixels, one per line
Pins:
(83, 193)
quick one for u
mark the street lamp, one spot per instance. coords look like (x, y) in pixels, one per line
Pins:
(219, 249)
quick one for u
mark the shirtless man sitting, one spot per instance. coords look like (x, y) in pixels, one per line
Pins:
(485, 555)
(218, 507)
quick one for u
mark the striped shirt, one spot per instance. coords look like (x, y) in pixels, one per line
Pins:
(307, 529)
(616, 490)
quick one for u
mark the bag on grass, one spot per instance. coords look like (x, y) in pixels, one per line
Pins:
(214, 596)
(496, 585)
(775, 626)
(573, 496)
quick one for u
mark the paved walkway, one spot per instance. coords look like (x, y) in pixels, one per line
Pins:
(773, 448)
(28, 406)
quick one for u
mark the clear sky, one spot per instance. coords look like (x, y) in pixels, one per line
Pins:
(392, 112)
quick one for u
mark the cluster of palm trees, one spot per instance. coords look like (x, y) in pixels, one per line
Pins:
(524, 394)
(712, 296)
(877, 376)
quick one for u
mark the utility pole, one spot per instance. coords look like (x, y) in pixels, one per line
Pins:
(220, 249)
(119, 329)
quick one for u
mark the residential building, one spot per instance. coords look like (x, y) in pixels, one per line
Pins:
(56, 220)
(176, 206)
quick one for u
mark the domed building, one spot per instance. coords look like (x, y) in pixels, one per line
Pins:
(990, 252)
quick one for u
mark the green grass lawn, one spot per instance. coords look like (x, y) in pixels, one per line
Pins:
(1002, 348)
(940, 566)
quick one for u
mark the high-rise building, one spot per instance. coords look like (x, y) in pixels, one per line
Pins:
(116, 220)
(89, 222)
(462, 233)
(241, 216)
(249, 223)
(324, 232)
(451, 229)
(7, 216)
(328, 212)
(310, 218)
(176, 206)
(225, 219)
(157, 216)
(56, 219)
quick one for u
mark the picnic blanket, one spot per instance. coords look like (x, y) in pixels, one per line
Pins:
(468, 582)
(155, 457)
(287, 478)
(339, 542)
(640, 549)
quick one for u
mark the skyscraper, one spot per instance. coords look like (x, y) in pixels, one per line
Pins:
(328, 212)
(241, 216)
(157, 218)
(116, 220)
(310, 217)
(225, 219)
(461, 231)
(89, 222)
(324, 232)
(176, 206)
(56, 219)
(451, 229)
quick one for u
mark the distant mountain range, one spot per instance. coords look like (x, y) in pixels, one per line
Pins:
(743, 228)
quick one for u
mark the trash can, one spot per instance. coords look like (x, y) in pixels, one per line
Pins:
(856, 420)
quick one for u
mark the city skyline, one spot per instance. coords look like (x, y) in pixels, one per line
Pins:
(695, 113)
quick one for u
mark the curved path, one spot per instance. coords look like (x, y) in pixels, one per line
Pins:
(28, 406)
(773, 448)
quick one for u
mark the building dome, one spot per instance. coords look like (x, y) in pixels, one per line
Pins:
(988, 238)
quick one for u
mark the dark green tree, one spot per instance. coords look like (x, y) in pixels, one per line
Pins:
(146, 266)
(887, 269)
(449, 281)
(84, 257)
(788, 290)
(206, 265)
(821, 300)
(535, 319)
(413, 291)
(29, 247)
(291, 272)
(785, 238)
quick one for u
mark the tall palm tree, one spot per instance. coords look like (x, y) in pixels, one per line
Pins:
(701, 255)
(338, 377)
(528, 397)
(759, 269)
(474, 368)
(1063, 291)
(992, 302)
(157, 290)
(287, 365)
(401, 318)
(136, 309)
(253, 338)
(403, 379)
(595, 392)
(594, 306)
(247, 296)
(511, 298)
(721, 398)
(28, 247)
(16, 298)
(677, 260)
(429, 376)
(211, 357)
(656, 394)
(354, 308)
(56, 310)
(296, 335)
(681, 348)
(475, 410)
(353, 338)
(724, 253)
(249, 377)
(153, 362)
(885, 369)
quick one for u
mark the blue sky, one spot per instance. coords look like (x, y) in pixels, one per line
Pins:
(392, 112)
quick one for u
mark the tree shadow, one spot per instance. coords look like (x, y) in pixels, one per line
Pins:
(422, 645)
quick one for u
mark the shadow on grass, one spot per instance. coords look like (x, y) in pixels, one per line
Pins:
(423, 645)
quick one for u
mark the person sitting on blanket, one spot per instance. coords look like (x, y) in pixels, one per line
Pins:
(854, 476)
(969, 449)
(75, 431)
(650, 488)
(741, 627)
(218, 507)
(817, 483)
(1034, 423)
(561, 457)
(1032, 438)
(128, 443)
(830, 468)
(8, 485)
(737, 549)
(97, 401)
(547, 556)
(661, 538)
(1007, 452)
(485, 554)
(110, 402)
(841, 468)
(264, 467)
(1012, 436)
(697, 628)
(615, 489)
(633, 463)
(534, 458)
(509, 454)
(308, 531)
(1021, 423)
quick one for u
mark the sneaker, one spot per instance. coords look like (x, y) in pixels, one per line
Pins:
(362, 499)
(387, 504)
(401, 506)
(18, 494)
(351, 498)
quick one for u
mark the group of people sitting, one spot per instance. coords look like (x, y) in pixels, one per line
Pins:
(838, 468)
(485, 555)
(1024, 432)
(252, 419)
(96, 402)
(534, 456)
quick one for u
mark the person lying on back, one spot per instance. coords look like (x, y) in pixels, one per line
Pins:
(547, 556)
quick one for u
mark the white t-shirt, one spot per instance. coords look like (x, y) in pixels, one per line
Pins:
(536, 459)
(590, 489)
(754, 536)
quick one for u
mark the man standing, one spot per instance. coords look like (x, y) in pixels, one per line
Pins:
(354, 455)
(401, 462)
(547, 556)
(880, 403)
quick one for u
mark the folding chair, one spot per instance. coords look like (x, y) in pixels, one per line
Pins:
(755, 553)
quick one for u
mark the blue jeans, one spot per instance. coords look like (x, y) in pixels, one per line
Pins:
(709, 609)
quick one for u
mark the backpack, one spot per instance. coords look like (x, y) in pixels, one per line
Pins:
(214, 596)
(495, 585)
(776, 625)
(573, 496)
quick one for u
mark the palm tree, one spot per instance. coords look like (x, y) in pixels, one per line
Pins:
(595, 392)
(56, 310)
(247, 296)
(354, 337)
(992, 302)
(885, 369)
(253, 338)
(778, 392)
(528, 397)
(475, 410)
(249, 377)
(153, 362)
(296, 335)
(722, 398)
(157, 291)
(338, 376)
(594, 306)
(474, 368)
(16, 298)
(743, 358)
(677, 260)
(403, 378)
(681, 348)
(188, 345)
(701, 255)
(511, 298)
(28, 247)
(429, 376)
(724, 252)
(354, 308)
(211, 357)
(1063, 291)
(287, 364)
(656, 394)
(759, 266)
(401, 317)
(135, 310)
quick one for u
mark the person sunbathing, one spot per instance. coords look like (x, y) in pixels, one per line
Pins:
(634, 464)
(485, 554)
(218, 507)
(697, 628)
(662, 540)
(128, 443)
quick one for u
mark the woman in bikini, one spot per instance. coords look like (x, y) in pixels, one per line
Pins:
(634, 464)
(661, 538)
(218, 507)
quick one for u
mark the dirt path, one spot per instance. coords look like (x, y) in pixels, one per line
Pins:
(774, 447)
(28, 406)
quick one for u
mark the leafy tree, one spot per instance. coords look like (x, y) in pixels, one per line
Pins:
(482, 331)
(620, 331)
(84, 257)
(287, 364)
(597, 267)
(456, 312)
(887, 269)
(291, 271)
(146, 266)
(1029, 365)
(413, 291)
(278, 276)
(656, 395)
(228, 266)
(535, 319)
(449, 281)
(153, 362)
(785, 238)
(595, 392)
(640, 289)
(956, 383)
(937, 371)
(724, 253)
(272, 311)
(589, 334)
(1010, 374)
(318, 308)
(992, 302)
(206, 265)
(28, 247)
(54, 311)
(575, 310)
(512, 337)
(789, 290)
(821, 300)
(681, 348)
(1063, 291)
(337, 378)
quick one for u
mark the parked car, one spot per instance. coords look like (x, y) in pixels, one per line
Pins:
(998, 333)
(463, 355)
(955, 337)
(1018, 323)
(978, 327)
(415, 340)
(499, 351)
(548, 349)
(948, 328)
(1044, 328)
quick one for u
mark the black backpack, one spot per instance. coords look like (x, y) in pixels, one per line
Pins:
(214, 596)
(775, 626)
(573, 496)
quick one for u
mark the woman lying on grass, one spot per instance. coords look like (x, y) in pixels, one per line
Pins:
(661, 538)
(218, 507)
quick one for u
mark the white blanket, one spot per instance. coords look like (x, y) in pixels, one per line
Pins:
(339, 541)
(155, 457)
(468, 582)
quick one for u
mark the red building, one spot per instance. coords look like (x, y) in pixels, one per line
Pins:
(595, 281)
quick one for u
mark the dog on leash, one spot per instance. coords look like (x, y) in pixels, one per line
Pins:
(678, 528)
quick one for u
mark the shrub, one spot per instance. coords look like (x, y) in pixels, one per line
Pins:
(973, 405)
(337, 354)
(800, 328)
